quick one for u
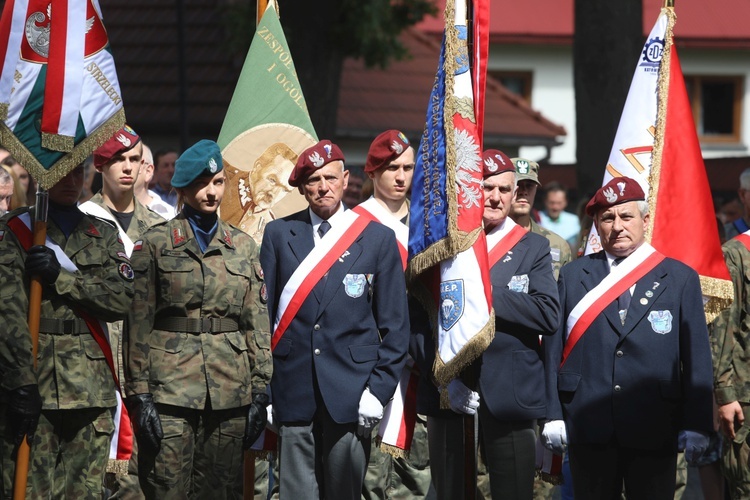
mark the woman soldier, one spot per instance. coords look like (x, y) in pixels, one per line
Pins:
(198, 352)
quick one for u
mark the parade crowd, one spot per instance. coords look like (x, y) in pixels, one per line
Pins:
(164, 325)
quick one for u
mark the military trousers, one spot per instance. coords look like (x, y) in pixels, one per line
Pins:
(735, 460)
(391, 477)
(68, 456)
(201, 455)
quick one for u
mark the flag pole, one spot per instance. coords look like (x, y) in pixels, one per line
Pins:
(249, 462)
(35, 306)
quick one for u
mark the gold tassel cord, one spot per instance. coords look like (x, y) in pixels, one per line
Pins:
(58, 142)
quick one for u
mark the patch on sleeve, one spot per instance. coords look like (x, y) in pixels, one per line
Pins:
(138, 246)
(123, 256)
(263, 293)
(126, 271)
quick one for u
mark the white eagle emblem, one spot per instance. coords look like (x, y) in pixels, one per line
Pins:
(37, 28)
(621, 185)
(316, 159)
(522, 166)
(327, 147)
(610, 195)
(491, 165)
(123, 140)
(212, 166)
(397, 148)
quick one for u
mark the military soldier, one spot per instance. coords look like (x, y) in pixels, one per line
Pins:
(527, 175)
(198, 358)
(87, 277)
(120, 161)
(731, 332)
(390, 166)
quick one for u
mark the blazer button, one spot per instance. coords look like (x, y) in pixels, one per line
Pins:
(618, 388)
(317, 352)
(619, 354)
(316, 327)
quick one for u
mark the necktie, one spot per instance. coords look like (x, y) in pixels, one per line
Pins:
(323, 228)
(623, 301)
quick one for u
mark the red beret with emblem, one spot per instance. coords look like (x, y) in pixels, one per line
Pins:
(496, 162)
(124, 139)
(385, 148)
(618, 190)
(313, 158)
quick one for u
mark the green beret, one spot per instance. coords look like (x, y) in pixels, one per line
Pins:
(202, 158)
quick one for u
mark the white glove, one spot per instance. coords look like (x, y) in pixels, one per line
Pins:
(461, 398)
(270, 420)
(370, 413)
(694, 443)
(555, 437)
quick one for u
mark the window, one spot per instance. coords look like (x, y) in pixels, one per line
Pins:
(717, 104)
(518, 82)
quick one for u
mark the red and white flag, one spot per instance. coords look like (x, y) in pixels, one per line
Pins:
(447, 245)
(657, 145)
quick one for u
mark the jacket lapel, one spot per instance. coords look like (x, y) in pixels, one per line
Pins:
(653, 282)
(337, 273)
(508, 265)
(301, 243)
(592, 276)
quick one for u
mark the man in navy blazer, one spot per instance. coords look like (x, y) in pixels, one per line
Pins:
(510, 396)
(633, 359)
(337, 299)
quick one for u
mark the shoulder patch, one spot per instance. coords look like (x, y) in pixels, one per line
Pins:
(178, 237)
(138, 246)
(93, 231)
(228, 237)
(126, 271)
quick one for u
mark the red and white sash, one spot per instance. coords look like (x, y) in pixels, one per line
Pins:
(349, 226)
(121, 446)
(620, 279)
(375, 211)
(501, 239)
(744, 238)
(92, 208)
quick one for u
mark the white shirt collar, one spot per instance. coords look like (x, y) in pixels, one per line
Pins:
(317, 220)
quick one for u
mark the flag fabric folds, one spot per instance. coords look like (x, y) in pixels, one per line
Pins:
(447, 246)
(266, 127)
(657, 144)
(59, 94)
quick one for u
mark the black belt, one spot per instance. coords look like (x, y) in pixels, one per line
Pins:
(54, 326)
(196, 325)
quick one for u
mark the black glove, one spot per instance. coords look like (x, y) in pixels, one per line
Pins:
(146, 421)
(257, 416)
(24, 407)
(42, 261)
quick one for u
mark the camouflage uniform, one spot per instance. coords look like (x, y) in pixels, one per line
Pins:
(126, 486)
(731, 339)
(559, 248)
(202, 383)
(71, 446)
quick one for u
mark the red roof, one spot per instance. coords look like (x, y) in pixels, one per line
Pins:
(375, 100)
(699, 23)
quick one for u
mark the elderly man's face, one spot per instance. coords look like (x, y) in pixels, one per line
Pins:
(268, 181)
(324, 188)
(622, 228)
(6, 194)
(498, 196)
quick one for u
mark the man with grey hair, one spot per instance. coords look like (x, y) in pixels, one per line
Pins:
(146, 196)
(6, 191)
(739, 226)
(631, 378)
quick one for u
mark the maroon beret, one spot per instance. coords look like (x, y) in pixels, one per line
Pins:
(124, 139)
(385, 148)
(496, 162)
(313, 158)
(618, 190)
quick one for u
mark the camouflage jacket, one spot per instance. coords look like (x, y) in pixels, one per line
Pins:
(730, 332)
(71, 368)
(143, 218)
(559, 249)
(174, 279)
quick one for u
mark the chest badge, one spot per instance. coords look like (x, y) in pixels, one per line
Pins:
(661, 321)
(354, 285)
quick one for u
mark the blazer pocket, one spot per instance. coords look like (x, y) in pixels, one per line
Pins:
(364, 353)
(283, 348)
(528, 379)
(568, 382)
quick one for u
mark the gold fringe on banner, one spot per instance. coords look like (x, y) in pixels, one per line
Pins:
(444, 373)
(58, 142)
(49, 177)
(4, 111)
(720, 294)
(393, 451)
(117, 467)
